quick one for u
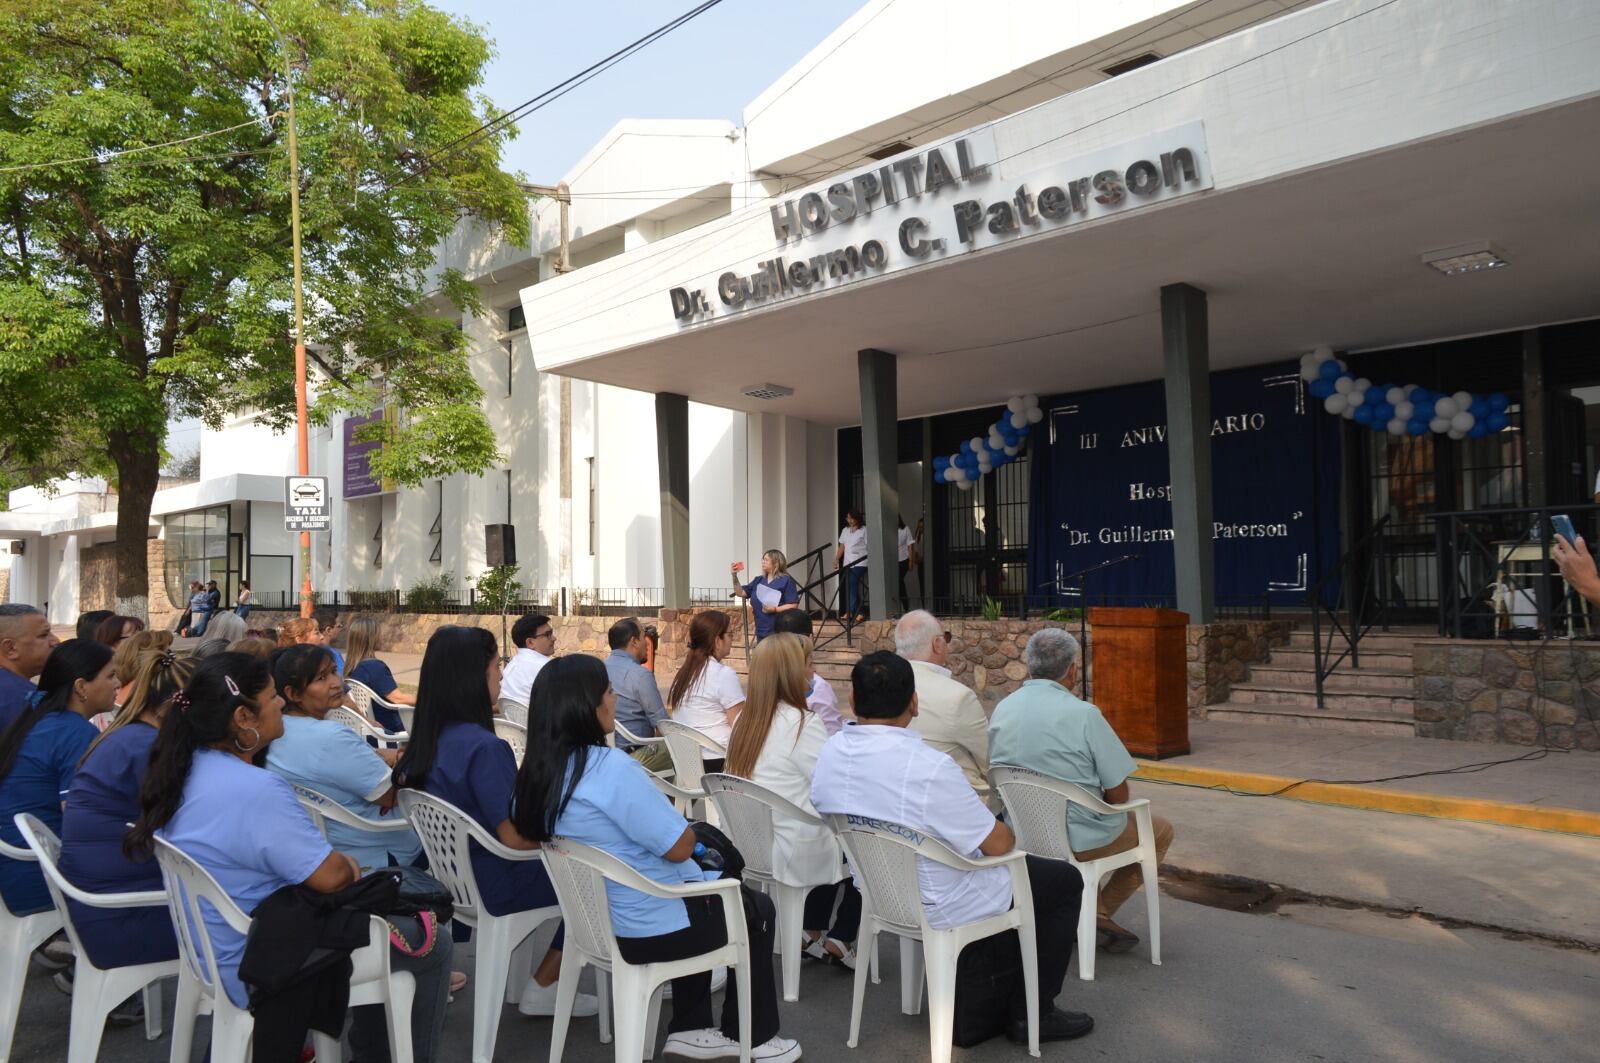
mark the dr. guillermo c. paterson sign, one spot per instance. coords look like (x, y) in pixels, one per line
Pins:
(943, 200)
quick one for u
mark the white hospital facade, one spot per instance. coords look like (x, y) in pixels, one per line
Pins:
(944, 205)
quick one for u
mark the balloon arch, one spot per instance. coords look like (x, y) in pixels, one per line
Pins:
(1400, 409)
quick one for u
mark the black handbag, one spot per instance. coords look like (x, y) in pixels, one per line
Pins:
(988, 978)
(716, 851)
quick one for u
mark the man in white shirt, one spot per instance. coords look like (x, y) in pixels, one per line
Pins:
(950, 717)
(535, 640)
(877, 766)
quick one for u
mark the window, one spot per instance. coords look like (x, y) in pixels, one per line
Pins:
(197, 549)
(594, 508)
(436, 532)
(516, 318)
(377, 547)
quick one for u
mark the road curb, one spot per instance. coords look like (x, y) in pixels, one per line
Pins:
(1379, 799)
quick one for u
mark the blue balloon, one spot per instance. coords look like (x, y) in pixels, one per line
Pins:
(1417, 428)
(1498, 403)
(1321, 387)
(941, 463)
(1331, 370)
(1478, 430)
(1498, 420)
(1479, 407)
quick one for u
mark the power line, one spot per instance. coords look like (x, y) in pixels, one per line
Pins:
(114, 156)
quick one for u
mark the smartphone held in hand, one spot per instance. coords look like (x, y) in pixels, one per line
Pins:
(1563, 527)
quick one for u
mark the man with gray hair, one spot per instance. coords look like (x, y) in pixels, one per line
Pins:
(25, 642)
(1043, 727)
(950, 717)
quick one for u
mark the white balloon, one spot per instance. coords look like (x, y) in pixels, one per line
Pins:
(1404, 409)
(1394, 396)
(1035, 415)
(1335, 404)
(1457, 435)
(1362, 383)
(1015, 404)
(976, 443)
(996, 441)
(1356, 398)
(957, 474)
(1349, 413)
(1463, 399)
(1463, 421)
(1307, 359)
(1409, 388)
(1030, 400)
(965, 485)
(1019, 420)
(1322, 354)
(1344, 385)
(1011, 452)
(1446, 407)
(1439, 424)
(1310, 372)
(1397, 427)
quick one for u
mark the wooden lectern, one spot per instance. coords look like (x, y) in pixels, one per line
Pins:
(1141, 679)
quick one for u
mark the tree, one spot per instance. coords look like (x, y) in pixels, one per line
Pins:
(159, 279)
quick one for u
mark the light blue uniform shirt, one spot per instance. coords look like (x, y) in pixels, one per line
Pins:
(617, 809)
(243, 825)
(1045, 728)
(337, 763)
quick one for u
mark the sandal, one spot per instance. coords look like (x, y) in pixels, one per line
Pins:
(814, 948)
(840, 953)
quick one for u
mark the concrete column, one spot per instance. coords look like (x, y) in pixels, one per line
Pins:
(672, 456)
(1185, 344)
(880, 463)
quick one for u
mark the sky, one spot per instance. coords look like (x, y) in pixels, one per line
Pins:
(710, 68)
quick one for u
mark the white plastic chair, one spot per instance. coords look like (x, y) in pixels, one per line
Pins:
(685, 744)
(365, 697)
(579, 874)
(191, 892)
(96, 991)
(19, 936)
(322, 808)
(1036, 808)
(366, 728)
(515, 711)
(447, 834)
(884, 856)
(747, 811)
(515, 735)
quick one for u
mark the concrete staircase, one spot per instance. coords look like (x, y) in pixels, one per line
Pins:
(1374, 699)
(833, 662)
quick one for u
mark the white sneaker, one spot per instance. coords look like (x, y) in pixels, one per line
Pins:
(711, 1044)
(840, 953)
(719, 978)
(540, 1000)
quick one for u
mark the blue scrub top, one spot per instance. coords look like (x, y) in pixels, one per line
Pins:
(243, 825)
(337, 763)
(14, 694)
(375, 676)
(789, 594)
(37, 783)
(475, 770)
(617, 808)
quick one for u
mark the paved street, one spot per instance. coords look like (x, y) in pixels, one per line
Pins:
(1305, 984)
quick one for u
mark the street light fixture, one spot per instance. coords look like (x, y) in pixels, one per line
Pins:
(302, 434)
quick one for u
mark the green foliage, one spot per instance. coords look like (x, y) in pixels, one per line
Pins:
(429, 595)
(370, 601)
(1064, 615)
(498, 589)
(991, 609)
(159, 283)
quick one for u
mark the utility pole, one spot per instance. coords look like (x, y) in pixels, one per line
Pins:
(301, 431)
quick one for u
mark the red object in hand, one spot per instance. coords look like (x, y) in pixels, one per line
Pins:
(738, 566)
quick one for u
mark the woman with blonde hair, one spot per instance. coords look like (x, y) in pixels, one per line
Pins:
(771, 593)
(305, 630)
(776, 744)
(129, 652)
(363, 666)
(706, 694)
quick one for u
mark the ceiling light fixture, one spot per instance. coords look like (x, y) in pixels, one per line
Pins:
(1468, 258)
(767, 391)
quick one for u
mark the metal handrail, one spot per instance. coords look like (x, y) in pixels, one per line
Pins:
(1356, 623)
(1453, 533)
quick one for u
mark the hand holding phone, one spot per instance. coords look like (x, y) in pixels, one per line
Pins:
(1563, 527)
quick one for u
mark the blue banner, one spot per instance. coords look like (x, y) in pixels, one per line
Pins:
(1100, 491)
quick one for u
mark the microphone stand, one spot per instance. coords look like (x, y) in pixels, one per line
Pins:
(1082, 577)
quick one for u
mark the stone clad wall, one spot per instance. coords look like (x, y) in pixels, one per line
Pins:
(984, 654)
(1524, 693)
(1220, 655)
(409, 632)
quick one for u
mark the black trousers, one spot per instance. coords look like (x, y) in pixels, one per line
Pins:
(819, 910)
(1057, 890)
(707, 930)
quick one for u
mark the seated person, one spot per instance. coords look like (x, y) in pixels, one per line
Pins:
(706, 694)
(363, 666)
(535, 639)
(776, 745)
(878, 767)
(950, 717)
(820, 698)
(333, 760)
(639, 707)
(204, 794)
(102, 801)
(1043, 727)
(25, 642)
(455, 755)
(573, 786)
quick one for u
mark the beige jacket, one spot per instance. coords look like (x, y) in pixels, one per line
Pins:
(950, 719)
